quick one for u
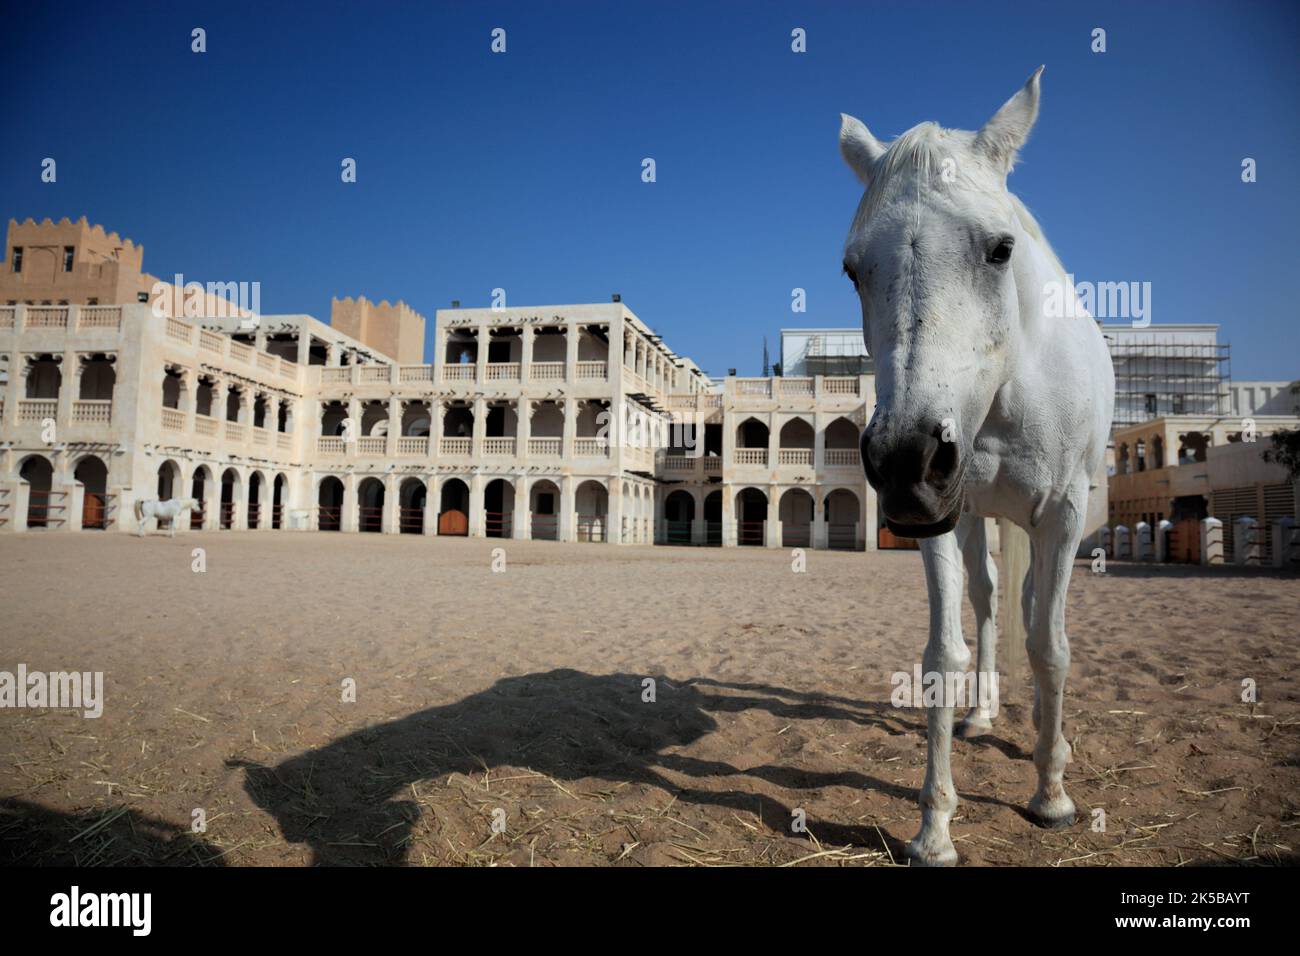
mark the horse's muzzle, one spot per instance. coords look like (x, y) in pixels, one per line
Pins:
(918, 477)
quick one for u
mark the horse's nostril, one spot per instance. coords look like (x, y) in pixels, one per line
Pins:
(943, 463)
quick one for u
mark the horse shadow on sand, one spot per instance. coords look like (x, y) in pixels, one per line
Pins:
(348, 801)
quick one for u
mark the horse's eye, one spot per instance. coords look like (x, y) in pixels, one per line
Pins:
(853, 276)
(1001, 252)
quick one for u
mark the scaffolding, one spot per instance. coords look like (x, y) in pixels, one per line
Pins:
(1157, 379)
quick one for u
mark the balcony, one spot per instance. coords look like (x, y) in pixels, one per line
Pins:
(591, 447)
(498, 446)
(593, 371)
(37, 409)
(47, 318)
(234, 431)
(795, 456)
(329, 445)
(751, 456)
(173, 419)
(88, 412)
(545, 447)
(261, 436)
(376, 445)
(503, 372)
(843, 458)
(415, 373)
(373, 374)
(546, 372)
(458, 373)
(453, 446)
(413, 445)
(204, 425)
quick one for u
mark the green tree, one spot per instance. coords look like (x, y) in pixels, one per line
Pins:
(1286, 452)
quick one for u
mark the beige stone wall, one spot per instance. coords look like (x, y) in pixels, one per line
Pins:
(395, 330)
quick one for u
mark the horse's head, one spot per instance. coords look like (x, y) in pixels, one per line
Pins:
(931, 254)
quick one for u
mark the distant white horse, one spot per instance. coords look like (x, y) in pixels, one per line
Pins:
(990, 401)
(161, 511)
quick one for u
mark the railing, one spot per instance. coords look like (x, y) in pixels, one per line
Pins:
(95, 513)
(212, 341)
(410, 520)
(546, 447)
(796, 386)
(37, 409)
(453, 446)
(503, 372)
(226, 516)
(234, 431)
(546, 372)
(712, 465)
(751, 456)
(283, 441)
(328, 519)
(205, 425)
(677, 532)
(593, 370)
(261, 436)
(241, 352)
(593, 528)
(372, 445)
(750, 532)
(288, 368)
(415, 373)
(329, 445)
(92, 412)
(179, 330)
(842, 536)
(754, 386)
(413, 445)
(498, 446)
(843, 458)
(546, 527)
(266, 362)
(370, 374)
(254, 515)
(840, 386)
(370, 518)
(679, 463)
(335, 375)
(46, 507)
(591, 447)
(47, 318)
(99, 317)
(458, 373)
(8, 316)
(173, 419)
(498, 524)
(796, 535)
(795, 456)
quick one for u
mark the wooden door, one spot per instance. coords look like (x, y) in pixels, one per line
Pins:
(92, 511)
(453, 523)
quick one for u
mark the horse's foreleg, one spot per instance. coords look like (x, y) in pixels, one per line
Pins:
(945, 656)
(982, 584)
(1055, 544)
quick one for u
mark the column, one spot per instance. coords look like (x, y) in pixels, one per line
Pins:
(526, 353)
(568, 530)
(523, 427)
(394, 424)
(436, 410)
(480, 370)
(69, 382)
(349, 514)
(520, 522)
(614, 533)
(772, 530)
(432, 503)
(477, 523)
(572, 333)
(729, 539)
(570, 428)
(820, 528)
(480, 428)
(304, 346)
(390, 522)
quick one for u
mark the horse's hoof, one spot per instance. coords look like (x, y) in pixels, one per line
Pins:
(927, 854)
(970, 727)
(1052, 814)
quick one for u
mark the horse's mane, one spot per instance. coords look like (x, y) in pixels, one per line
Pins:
(921, 151)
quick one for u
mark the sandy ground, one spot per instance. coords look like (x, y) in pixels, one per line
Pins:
(517, 696)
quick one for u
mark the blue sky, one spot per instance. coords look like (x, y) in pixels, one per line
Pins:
(523, 170)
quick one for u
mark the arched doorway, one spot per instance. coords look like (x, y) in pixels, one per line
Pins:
(199, 492)
(370, 505)
(713, 519)
(169, 480)
(797, 440)
(544, 507)
(255, 485)
(498, 508)
(751, 518)
(229, 494)
(796, 510)
(453, 508)
(279, 496)
(42, 510)
(843, 511)
(591, 502)
(93, 475)
(679, 516)
(329, 504)
(411, 500)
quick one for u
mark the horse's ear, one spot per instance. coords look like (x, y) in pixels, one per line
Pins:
(859, 148)
(1007, 131)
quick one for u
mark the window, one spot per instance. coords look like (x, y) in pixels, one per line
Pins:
(1151, 403)
(142, 297)
(92, 301)
(68, 252)
(18, 258)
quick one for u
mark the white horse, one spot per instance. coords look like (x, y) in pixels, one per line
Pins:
(989, 403)
(161, 511)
